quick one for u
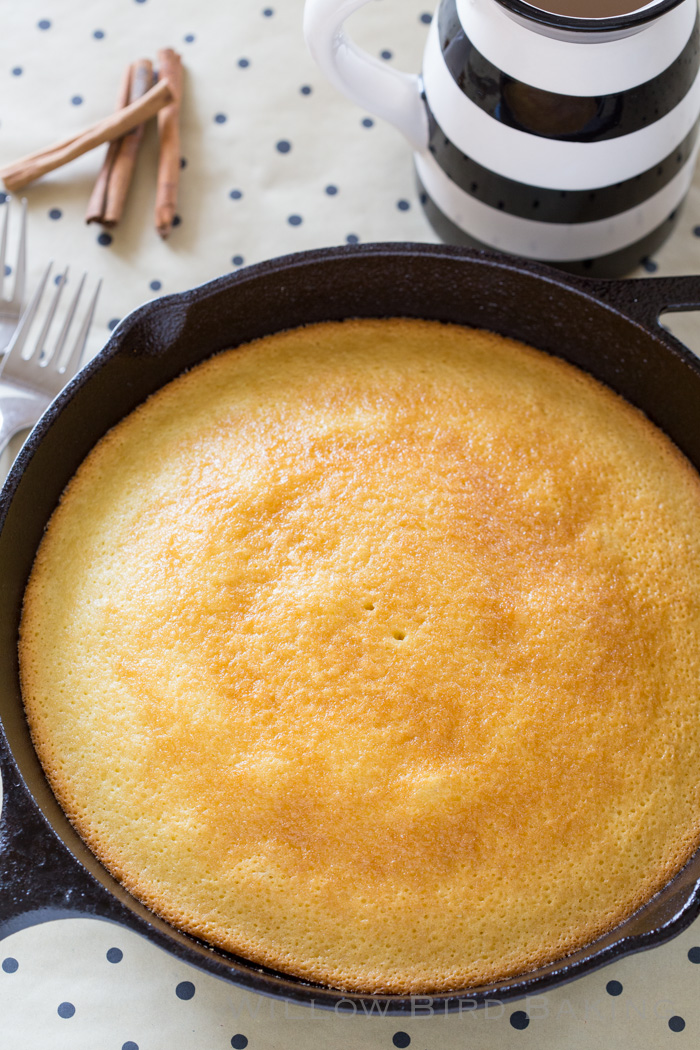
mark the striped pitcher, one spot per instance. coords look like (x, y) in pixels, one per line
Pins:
(564, 139)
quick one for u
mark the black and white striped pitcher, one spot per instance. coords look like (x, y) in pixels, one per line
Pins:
(537, 131)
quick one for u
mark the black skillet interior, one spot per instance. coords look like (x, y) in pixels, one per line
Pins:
(609, 329)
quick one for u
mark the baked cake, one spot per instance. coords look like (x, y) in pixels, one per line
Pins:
(370, 652)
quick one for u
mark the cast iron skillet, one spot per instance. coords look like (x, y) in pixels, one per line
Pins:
(610, 329)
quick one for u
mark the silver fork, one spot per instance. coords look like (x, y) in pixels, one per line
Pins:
(29, 384)
(10, 309)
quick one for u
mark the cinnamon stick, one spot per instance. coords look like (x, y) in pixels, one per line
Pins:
(124, 161)
(98, 198)
(24, 171)
(170, 67)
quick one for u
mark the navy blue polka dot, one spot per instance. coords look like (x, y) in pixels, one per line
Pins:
(676, 1023)
(155, 286)
(55, 213)
(77, 100)
(112, 325)
(283, 146)
(3, 197)
(696, 231)
(17, 71)
(65, 1010)
(99, 34)
(185, 990)
(189, 39)
(386, 55)
(220, 118)
(237, 260)
(140, 1)
(519, 1020)
(401, 1040)
(649, 265)
(239, 1042)
(295, 220)
(114, 955)
(403, 205)
(613, 988)
(331, 190)
(130, 1045)
(8, 270)
(352, 238)
(268, 12)
(183, 162)
(104, 239)
(235, 195)
(176, 220)
(367, 122)
(694, 955)
(244, 63)
(44, 24)
(10, 965)
(58, 279)
(426, 18)
(306, 90)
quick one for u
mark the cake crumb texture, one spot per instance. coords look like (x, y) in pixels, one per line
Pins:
(370, 652)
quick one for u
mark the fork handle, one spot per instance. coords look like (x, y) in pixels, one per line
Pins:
(19, 409)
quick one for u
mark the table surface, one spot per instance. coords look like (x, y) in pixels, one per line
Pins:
(274, 161)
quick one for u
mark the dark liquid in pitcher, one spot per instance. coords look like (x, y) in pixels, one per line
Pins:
(589, 8)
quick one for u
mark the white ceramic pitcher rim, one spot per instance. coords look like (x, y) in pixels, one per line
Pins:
(634, 19)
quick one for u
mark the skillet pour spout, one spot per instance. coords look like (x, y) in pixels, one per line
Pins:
(609, 329)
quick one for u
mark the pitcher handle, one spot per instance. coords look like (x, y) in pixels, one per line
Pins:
(376, 87)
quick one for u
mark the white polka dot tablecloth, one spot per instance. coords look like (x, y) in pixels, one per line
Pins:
(273, 161)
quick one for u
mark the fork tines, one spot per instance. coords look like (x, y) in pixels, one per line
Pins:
(43, 368)
(21, 264)
(11, 308)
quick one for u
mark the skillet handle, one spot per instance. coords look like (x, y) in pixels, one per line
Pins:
(40, 880)
(646, 298)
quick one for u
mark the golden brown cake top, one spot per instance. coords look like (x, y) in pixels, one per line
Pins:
(370, 651)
